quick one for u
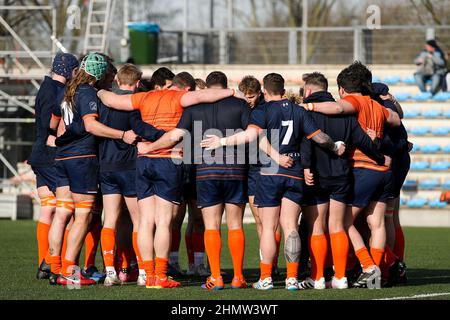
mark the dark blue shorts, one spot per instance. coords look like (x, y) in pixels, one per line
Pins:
(189, 187)
(45, 177)
(80, 174)
(324, 189)
(119, 182)
(159, 177)
(212, 192)
(253, 176)
(400, 169)
(370, 185)
(271, 189)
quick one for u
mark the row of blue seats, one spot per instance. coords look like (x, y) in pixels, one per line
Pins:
(424, 130)
(428, 114)
(435, 166)
(421, 202)
(431, 148)
(427, 184)
(422, 96)
(394, 80)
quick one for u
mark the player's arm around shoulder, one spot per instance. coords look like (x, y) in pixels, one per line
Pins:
(331, 108)
(115, 101)
(392, 118)
(207, 96)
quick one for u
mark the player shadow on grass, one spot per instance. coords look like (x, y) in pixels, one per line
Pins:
(420, 277)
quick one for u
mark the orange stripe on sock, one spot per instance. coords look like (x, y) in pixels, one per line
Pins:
(291, 269)
(42, 240)
(319, 247)
(67, 267)
(108, 241)
(266, 270)
(213, 246)
(364, 258)
(278, 243)
(339, 249)
(91, 241)
(377, 255)
(161, 267)
(55, 264)
(236, 244)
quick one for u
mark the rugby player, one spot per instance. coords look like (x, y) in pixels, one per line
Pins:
(42, 156)
(279, 191)
(372, 182)
(77, 170)
(325, 203)
(158, 174)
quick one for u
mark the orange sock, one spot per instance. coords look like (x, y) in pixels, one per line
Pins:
(91, 243)
(319, 247)
(339, 249)
(66, 267)
(42, 240)
(55, 264)
(136, 249)
(291, 270)
(213, 246)
(189, 247)
(176, 239)
(399, 247)
(161, 267)
(149, 267)
(266, 270)
(64, 244)
(277, 253)
(389, 259)
(364, 258)
(377, 255)
(236, 244)
(108, 240)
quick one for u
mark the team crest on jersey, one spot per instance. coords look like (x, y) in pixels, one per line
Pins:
(93, 106)
(67, 113)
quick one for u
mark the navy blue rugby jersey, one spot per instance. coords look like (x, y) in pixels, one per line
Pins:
(48, 97)
(286, 123)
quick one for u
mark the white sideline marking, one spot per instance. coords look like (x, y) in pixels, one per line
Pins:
(418, 296)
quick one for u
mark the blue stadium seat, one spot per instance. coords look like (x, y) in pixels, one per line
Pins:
(411, 113)
(422, 96)
(403, 202)
(410, 185)
(429, 184)
(440, 166)
(446, 184)
(376, 79)
(431, 148)
(417, 203)
(431, 113)
(402, 96)
(436, 203)
(440, 131)
(441, 96)
(416, 148)
(420, 165)
(420, 131)
(447, 114)
(409, 80)
(392, 80)
(446, 149)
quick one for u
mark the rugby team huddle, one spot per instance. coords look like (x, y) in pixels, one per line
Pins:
(145, 154)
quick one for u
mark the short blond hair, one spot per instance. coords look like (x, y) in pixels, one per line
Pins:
(129, 74)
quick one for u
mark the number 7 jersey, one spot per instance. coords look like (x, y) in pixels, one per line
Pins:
(285, 124)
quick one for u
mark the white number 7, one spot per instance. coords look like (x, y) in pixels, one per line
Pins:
(290, 130)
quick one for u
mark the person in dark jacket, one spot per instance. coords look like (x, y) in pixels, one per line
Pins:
(431, 65)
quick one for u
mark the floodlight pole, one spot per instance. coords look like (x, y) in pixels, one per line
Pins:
(185, 34)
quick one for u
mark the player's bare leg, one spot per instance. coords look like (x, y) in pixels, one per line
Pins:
(145, 237)
(236, 242)
(254, 211)
(64, 211)
(212, 217)
(339, 243)
(289, 215)
(47, 211)
(316, 218)
(113, 208)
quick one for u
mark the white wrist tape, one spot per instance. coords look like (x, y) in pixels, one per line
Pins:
(337, 145)
(223, 141)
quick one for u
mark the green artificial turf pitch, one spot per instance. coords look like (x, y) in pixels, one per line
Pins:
(427, 258)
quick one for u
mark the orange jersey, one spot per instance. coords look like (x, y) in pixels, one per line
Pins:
(162, 109)
(370, 115)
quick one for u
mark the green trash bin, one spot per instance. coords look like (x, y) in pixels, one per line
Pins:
(144, 42)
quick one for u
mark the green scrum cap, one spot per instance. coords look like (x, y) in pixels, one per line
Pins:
(95, 65)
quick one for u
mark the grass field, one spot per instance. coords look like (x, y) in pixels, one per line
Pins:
(428, 260)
